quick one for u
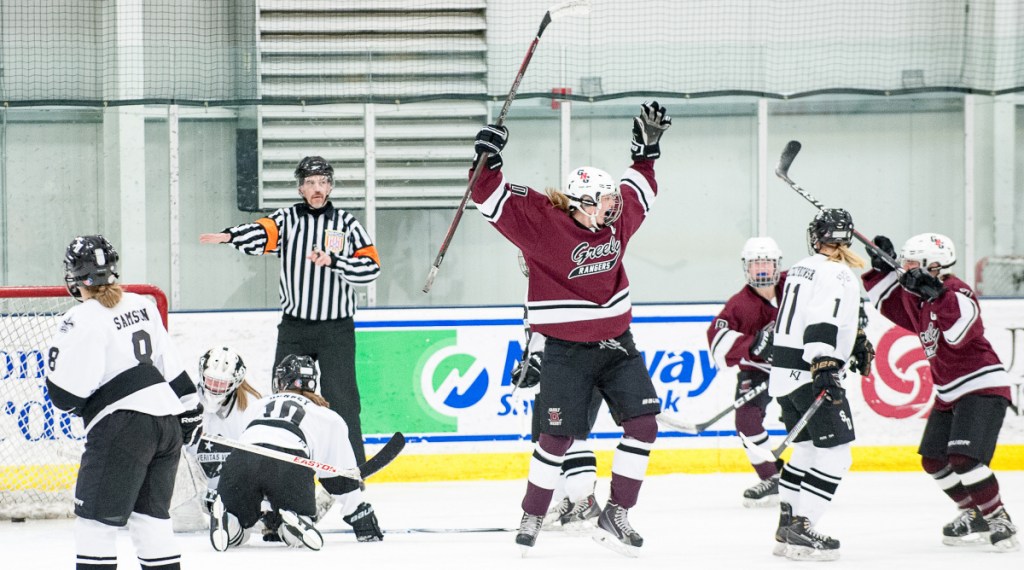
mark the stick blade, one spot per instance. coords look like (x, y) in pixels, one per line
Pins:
(759, 452)
(570, 8)
(786, 160)
(386, 455)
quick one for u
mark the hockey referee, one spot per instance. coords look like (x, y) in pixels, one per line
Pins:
(324, 251)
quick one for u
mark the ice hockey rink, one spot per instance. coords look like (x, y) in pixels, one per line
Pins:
(884, 520)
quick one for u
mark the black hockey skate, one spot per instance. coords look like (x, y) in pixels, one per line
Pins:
(529, 528)
(553, 518)
(785, 519)
(1004, 532)
(805, 543)
(764, 494)
(615, 533)
(581, 516)
(969, 528)
(298, 530)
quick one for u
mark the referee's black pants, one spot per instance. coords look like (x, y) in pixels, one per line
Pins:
(333, 345)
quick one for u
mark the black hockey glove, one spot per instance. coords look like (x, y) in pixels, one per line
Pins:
(761, 347)
(491, 139)
(825, 371)
(531, 376)
(863, 354)
(922, 284)
(191, 425)
(647, 131)
(364, 522)
(877, 263)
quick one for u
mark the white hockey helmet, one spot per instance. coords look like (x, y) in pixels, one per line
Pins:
(761, 249)
(222, 372)
(587, 186)
(928, 249)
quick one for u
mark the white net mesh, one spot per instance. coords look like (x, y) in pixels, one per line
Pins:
(1000, 276)
(40, 446)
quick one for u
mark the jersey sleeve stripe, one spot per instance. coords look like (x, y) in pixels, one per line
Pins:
(644, 193)
(63, 399)
(881, 291)
(722, 344)
(968, 315)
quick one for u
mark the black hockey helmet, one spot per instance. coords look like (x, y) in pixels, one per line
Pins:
(89, 261)
(295, 372)
(830, 226)
(314, 166)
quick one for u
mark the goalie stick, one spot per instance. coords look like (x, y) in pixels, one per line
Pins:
(386, 455)
(782, 171)
(695, 429)
(570, 8)
(771, 456)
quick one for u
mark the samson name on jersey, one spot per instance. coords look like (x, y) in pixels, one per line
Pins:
(103, 360)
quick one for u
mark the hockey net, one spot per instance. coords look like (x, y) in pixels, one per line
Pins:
(40, 446)
(1000, 276)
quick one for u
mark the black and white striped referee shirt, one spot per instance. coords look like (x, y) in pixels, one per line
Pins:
(307, 291)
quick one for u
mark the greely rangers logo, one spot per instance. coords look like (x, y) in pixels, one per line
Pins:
(583, 255)
(930, 340)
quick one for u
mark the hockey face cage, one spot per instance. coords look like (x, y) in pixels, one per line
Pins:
(222, 371)
(761, 258)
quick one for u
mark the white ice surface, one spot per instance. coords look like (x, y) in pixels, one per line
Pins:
(884, 520)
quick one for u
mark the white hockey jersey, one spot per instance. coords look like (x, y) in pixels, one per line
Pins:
(103, 360)
(817, 317)
(292, 421)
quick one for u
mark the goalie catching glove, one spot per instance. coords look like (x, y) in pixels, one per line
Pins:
(491, 140)
(825, 372)
(647, 131)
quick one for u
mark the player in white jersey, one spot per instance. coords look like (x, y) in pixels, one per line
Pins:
(113, 363)
(816, 334)
(294, 420)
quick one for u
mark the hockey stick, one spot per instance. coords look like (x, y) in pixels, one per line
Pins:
(386, 455)
(771, 456)
(695, 429)
(570, 8)
(782, 171)
(422, 530)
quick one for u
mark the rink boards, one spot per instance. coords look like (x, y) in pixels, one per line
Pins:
(442, 377)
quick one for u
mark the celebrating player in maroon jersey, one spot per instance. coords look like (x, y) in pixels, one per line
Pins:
(971, 385)
(573, 241)
(741, 335)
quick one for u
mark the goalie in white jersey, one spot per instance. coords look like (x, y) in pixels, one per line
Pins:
(816, 334)
(294, 420)
(113, 363)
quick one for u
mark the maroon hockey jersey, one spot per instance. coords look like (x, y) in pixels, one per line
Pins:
(952, 334)
(578, 287)
(732, 331)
